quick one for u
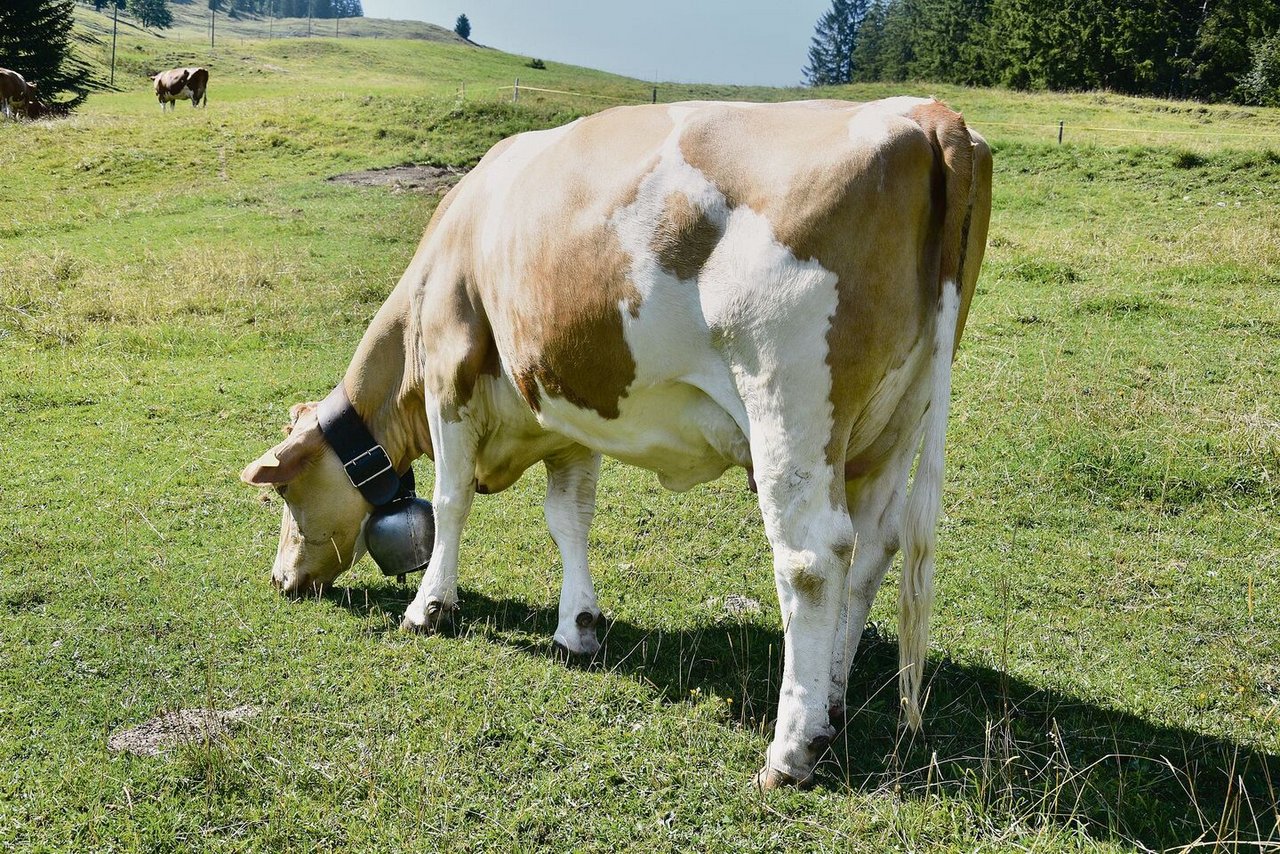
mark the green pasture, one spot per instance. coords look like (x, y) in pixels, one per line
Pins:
(1105, 671)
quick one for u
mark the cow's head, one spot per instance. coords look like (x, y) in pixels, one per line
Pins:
(320, 534)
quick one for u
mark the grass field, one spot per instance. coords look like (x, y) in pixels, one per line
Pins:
(1106, 654)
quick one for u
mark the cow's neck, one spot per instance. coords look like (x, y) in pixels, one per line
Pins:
(385, 385)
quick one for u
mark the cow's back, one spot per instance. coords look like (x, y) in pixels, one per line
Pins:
(646, 248)
(12, 84)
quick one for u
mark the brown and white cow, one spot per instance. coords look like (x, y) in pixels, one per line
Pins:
(15, 90)
(686, 288)
(181, 84)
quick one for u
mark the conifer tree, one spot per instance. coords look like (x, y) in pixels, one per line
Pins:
(867, 45)
(831, 50)
(462, 26)
(35, 41)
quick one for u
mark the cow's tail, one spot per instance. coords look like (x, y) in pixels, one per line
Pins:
(955, 185)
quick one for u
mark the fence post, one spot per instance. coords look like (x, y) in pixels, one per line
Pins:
(655, 95)
(515, 92)
(1059, 132)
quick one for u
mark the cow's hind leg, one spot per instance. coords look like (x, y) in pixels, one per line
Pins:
(454, 443)
(875, 509)
(802, 501)
(570, 506)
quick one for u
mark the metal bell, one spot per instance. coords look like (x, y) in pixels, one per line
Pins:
(400, 535)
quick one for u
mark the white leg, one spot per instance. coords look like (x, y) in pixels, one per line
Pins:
(875, 509)
(455, 463)
(808, 526)
(570, 506)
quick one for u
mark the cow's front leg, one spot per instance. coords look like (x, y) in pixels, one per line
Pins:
(570, 506)
(454, 443)
(812, 539)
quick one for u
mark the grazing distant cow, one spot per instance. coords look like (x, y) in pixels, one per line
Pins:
(181, 84)
(687, 288)
(14, 91)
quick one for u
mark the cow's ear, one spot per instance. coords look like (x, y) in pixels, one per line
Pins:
(296, 412)
(287, 460)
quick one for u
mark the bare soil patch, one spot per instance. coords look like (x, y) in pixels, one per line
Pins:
(184, 726)
(419, 179)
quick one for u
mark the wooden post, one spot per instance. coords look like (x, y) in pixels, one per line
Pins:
(515, 92)
(335, 25)
(213, 25)
(655, 95)
(115, 20)
(1059, 132)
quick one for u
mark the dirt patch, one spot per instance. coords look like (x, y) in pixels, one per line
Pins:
(418, 179)
(185, 726)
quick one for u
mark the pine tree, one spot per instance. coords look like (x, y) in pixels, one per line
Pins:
(868, 44)
(462, 26)
(902, 22)
(35, 41)
(948, 37)
(831, 51)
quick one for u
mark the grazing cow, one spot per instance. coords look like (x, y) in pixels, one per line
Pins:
(14, 91)
(181, 84)
(687, 288)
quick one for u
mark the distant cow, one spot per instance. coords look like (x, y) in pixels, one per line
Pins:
(686, 288)
(14, 90)
(182, 84)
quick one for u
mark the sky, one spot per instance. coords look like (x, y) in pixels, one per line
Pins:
(749, 42)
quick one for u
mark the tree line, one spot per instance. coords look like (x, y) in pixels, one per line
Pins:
(1213, 50)
(156, 13)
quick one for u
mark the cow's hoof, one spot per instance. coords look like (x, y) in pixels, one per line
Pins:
(579, 639)
(582, 647)
(435, 618)
(440, 615)
(767, 779)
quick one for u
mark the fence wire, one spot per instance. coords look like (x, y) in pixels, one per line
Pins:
(1063, 128)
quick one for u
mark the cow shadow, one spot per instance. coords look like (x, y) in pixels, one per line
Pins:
(1007, 747)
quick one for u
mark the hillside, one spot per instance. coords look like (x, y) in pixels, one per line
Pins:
(191, 24)
(376, 55)
(1105, 662)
